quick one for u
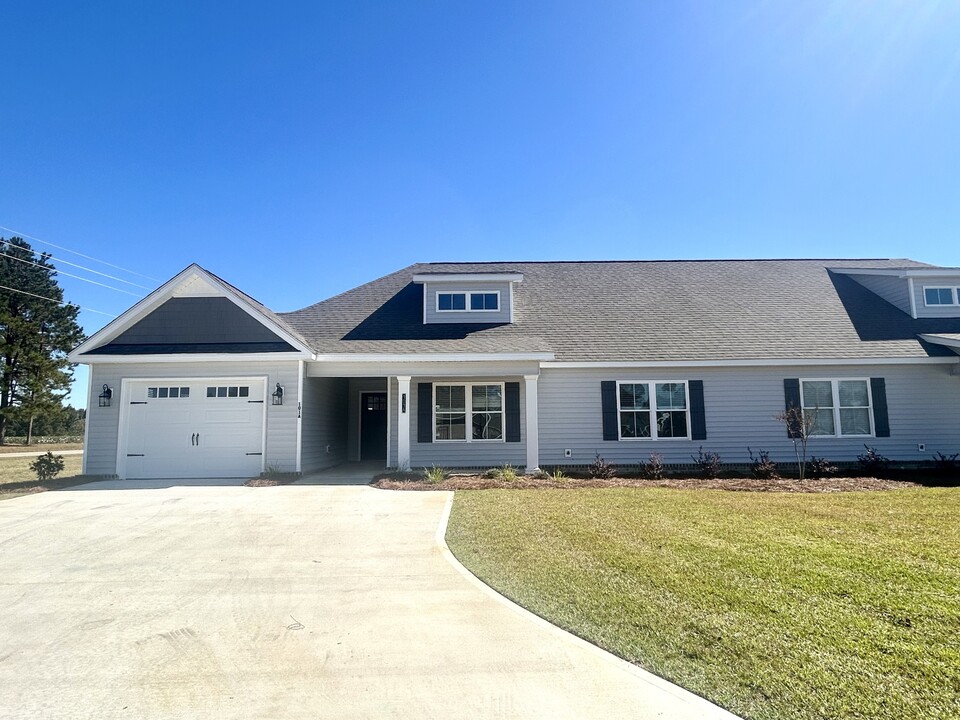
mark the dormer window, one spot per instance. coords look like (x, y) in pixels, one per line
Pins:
(468, 301)
(451, 302)
(939, 296)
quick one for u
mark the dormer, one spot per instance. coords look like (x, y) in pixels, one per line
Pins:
(921, 292)
(481, 298)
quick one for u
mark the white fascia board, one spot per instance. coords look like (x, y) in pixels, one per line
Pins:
(899, 272)
(940, 340)
(778, 362)
(433, 357)
(467, 277)
(185, 357)
(163, 293)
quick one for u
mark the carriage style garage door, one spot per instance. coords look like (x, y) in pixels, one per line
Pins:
(189, 428)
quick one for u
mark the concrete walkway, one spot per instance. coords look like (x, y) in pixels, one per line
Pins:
(281, 602)
(38, 454)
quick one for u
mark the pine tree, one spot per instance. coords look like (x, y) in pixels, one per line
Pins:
(37, 330)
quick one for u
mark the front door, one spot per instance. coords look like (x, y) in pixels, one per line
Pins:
(373, 426)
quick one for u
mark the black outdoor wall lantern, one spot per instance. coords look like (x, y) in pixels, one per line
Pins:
(106, 395)
(278, 395)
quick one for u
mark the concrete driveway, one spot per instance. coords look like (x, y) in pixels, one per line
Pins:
(273, 603)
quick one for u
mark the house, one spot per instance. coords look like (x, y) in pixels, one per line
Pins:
(532, 364)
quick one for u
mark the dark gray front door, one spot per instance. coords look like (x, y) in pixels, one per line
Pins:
(373, 426)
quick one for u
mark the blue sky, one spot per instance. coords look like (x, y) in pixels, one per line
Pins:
(299, 149)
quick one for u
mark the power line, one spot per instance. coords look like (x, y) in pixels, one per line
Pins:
(77, 277)
(58, 302)
(95, 272)
(74, 252)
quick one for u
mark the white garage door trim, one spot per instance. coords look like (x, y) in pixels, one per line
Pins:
(260, 381)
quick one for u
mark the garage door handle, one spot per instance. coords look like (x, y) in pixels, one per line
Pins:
(198, 439)
(193, 440)
(134, 454)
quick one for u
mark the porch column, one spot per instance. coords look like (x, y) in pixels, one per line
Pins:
(533, 424)
(403, 422)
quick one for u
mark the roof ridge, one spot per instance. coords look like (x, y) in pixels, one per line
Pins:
(686, 260)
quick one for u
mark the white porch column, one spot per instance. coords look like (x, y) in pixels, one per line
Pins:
(533, 423)
(403, 422)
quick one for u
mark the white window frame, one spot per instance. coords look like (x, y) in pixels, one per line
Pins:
(468, 294)
(835, 392)
(652, 391)
(468, 411)
(954, 291)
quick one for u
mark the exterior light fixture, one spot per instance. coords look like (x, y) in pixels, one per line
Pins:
(105, 396)
(278, 395)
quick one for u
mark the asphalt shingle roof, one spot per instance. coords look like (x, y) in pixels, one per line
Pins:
(638, 311)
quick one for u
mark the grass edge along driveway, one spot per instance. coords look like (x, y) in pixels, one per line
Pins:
(772, 605)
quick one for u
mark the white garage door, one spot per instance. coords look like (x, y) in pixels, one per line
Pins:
(186, 428)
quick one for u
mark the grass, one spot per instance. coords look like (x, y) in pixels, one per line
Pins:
(16, 477)
(36, 447)
(773, 605)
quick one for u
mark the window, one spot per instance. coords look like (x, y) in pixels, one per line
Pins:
(485, 301)
(168, 392)
(940, 296)
(837, 407)
(449, 302)
(653, 410)
(228, 391)
(481, 403)
(468, 301)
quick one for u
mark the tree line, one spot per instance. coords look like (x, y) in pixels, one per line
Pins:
(37, 330)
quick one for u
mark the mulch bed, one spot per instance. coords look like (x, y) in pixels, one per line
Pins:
(270, 481)
(523, 482)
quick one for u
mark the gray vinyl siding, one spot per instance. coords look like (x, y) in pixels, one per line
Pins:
(433, 316)
(324, 442)
(100, 454)
(894, 290)
(464, 454)
(423, 369)
(196, 320)
(741, 404)
(935, 311)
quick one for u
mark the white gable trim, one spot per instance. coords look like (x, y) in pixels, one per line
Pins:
(186, 278)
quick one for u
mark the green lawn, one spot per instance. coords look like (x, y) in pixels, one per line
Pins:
(773, 605)
(16, 477)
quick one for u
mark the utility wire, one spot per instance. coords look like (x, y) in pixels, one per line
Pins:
(58, 302)
(60, 272)
(95, 272)
(74, 252)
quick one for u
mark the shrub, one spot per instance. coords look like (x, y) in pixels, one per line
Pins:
(47, 466)
(946, 463)
(821, 467)
(653, 468)
(435, 474)
(601, 469)
(707, 463)
(507, 472)
(559, 476)
(761, 466)
(872, 461)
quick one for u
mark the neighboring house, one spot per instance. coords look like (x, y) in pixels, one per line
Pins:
(532, 364)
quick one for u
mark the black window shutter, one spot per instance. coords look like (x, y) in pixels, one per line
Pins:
(511, 407)
(791, 394)
(608, 400)
(698, 415)
(425, 412)
(881, 420)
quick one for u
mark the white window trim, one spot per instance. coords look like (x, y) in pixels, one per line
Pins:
(468, 411)
(835, 392)
(954, 291)
(468, 294)
(652, 385)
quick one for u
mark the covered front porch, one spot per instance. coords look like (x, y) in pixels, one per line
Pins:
(452, 414)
